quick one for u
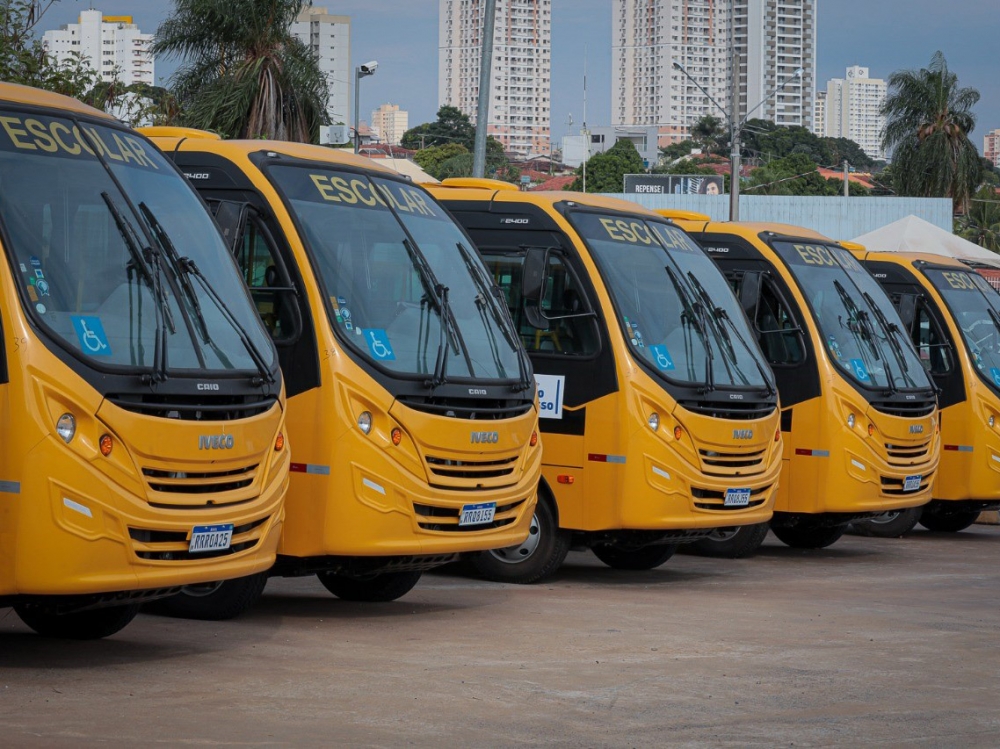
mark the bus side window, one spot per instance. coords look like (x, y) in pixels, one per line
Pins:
(933, 348)
(777, 332)
(571, 330)
(272, 291)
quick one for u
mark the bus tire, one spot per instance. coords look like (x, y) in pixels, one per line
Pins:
(891, 525)
(643, 558)
(809, 538)
(212, 602)
(376, 589)
(541, 554)
(948, 522)
(732, 543)
(81, 625)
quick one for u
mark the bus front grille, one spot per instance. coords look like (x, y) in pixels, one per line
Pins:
(445, 519)
(172, 546)
(906, 409)
(712, 499)
(469, 408)
(727, 464)
(739, 410)
(906, 455)
(894, 486)
(200, 484)
(471, 470)
(194, 407)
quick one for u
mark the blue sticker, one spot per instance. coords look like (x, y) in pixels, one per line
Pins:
(378, 344)
(90, 331)
(662, 357)
(341, 300)
(996, 375)
(859, 369)
(35, 262)
(43, 286)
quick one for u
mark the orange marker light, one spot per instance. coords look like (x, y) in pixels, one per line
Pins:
(279, 442)
(871, 429)
(396, 435)
(106, 444)
(678, 432)
(777, 435)
(563, 478)
(534, 439)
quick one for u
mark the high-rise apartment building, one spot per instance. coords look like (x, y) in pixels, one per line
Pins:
(775, 39)
(391, 122)
(819, 114)
(853, 110)
(113, 45)
(520, 81)
(329, 37)
(991, 147)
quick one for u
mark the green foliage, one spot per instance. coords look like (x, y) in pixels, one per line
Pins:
(451, 126)
(679, 150)
(685, 166)
(431, 159)
(606, 171)
(764, 139)
(497, 167)
(711, 135)
(928, 121)
(23, 59)
(981, 224)
(244, 74)
(796, 174)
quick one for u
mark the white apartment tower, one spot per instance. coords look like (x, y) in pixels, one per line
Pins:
(391, 122)
(113, 45)
(819, 114)
(853, 105)
(329, 37)
(775, 38)
(520, 81)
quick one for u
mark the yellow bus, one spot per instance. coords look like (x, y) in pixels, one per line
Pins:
(659, 413)
(142, 407)
(410, 400)
(858, 411)
(951, 314)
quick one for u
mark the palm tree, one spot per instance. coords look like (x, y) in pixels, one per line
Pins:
(244, 75)
(982, 222)
(928, 121)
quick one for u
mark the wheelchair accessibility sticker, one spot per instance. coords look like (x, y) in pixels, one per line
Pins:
(662, 357)
(859, 369)
(996, 375)
(90, 331)
(378, 344)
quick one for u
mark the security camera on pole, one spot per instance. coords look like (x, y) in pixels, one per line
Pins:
(360, 72)
(736, 126)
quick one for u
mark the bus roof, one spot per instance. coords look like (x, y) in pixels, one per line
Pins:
(504, 192)
(36, 97)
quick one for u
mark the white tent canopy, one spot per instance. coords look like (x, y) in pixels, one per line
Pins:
(913, 234)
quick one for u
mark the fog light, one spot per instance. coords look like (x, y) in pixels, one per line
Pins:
(850, 420)
(106, 444)
(279, 443)
(396, 435)
(365, 422)
(66, 427)
(534, 439)
(654, 421)
(678, 432)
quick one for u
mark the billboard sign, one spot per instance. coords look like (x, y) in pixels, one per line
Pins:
(674, 184)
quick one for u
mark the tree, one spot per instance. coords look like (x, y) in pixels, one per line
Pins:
(451, 126)
(711, 135)
(928, 121)
(244, 75)
(981, 224)
(431, 159)
(845, 149)
(23, 59)
(795, 175)
(606, 171)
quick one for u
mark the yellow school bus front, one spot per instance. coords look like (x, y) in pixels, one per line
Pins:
(410, 402)
(859, 414)
(659, 417)
(142, 400)
(950, 313)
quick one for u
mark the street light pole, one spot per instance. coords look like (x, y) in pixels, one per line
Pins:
(483, 108)
(362, 71)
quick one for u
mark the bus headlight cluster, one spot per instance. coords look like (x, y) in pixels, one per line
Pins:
(365, 422)
(66, 427)
(991, 421)
(654, 421)
(850, 420)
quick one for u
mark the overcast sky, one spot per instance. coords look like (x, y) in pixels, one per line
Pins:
(884, 35)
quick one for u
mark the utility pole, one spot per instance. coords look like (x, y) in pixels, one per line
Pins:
(483, 109)
(847, 190)
(735, 128)
(585, 132)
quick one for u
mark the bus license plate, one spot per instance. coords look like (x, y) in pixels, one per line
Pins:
(210, 538)
(478, 514)
(911, 483)
(737, 498)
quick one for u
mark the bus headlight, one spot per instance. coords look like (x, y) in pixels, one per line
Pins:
(365, 422)
(850, 420)
(654, 421)
(66, 427)
(991, 421)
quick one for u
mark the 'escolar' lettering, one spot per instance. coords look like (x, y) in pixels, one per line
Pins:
(53, 136)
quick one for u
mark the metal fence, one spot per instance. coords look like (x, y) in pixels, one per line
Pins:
(838, 218)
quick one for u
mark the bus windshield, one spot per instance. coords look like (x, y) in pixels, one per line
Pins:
(114, 255)
(975, 307)
(673, 304)
(860, 328)
(405, 288)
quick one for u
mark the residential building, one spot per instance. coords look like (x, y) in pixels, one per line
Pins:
(329, 37)
(391, 122)
(520, 82)
(991, 147)
(576, 150)
(853, 110)
(113, 45)
(775, 39)
(819, 114)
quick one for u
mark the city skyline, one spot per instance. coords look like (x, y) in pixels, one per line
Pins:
(884, 36)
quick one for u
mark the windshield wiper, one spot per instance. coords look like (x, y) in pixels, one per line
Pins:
(152, 277)
(698, 324)
(184, 266)
(864, 331)
(891, 331)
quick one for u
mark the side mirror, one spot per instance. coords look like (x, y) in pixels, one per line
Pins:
(750, 292)
(907, 308)
(533, 279)
(231, 218)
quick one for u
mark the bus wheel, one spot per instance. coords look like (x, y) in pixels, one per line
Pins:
(731, 543)
(212, 602)
(890, 525)
(541, 554)
(948, 522)
(81, 625)
(809, 538)
(644, 558)
(376, 589)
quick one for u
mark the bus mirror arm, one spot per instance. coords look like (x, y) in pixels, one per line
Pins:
(907, 309)
(750, 293)
(533, 280)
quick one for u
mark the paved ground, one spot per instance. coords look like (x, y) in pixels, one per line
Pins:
(871, 642)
